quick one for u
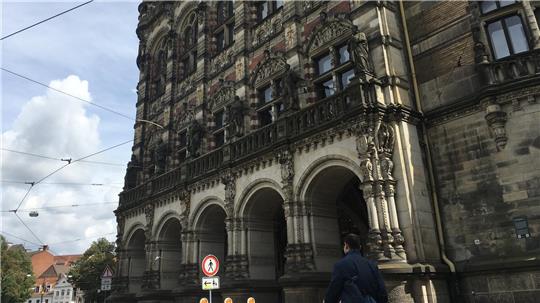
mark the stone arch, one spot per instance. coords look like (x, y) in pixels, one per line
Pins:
(134, 263)
(183, 12)
(330, 188)
(162, 220)
(168, 249)
(320, 164)
(251, 189)
(206, 202)
(131, 230)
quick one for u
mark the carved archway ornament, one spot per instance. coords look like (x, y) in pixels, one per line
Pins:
(327, 32)
(272, 65)
(375, 141)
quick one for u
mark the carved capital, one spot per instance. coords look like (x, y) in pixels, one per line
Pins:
(496, 120)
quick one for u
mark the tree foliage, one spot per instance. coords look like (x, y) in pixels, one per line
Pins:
(16, 266)
(86, 272)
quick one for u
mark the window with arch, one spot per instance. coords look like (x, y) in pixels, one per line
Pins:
(505, 29)
(188, 47)
(224, 31)
(333, 70)
(158, 70)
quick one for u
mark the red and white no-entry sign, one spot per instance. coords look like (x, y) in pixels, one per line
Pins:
(210, 265)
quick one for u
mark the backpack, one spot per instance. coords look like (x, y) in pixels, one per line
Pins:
(363, 295)
(355, 293)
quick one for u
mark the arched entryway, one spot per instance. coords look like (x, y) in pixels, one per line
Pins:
(211, 233)
(266, 240)
(337, 208)
(169, 255)
(136, 263)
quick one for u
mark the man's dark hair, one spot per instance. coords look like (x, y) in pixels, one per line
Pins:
(352, 240)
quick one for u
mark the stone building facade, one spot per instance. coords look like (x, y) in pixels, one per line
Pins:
(268, 130)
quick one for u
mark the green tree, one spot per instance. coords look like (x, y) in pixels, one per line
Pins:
(86, 272)
(17, 277)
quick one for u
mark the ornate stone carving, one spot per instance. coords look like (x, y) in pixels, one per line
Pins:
(385, 138)
(267, 29)
(187, 85)
(359, 50)
(184, 197)
(225, 94)
(328, 31)
(235, 118)
(286, 159)
(219, 62)
(195, 136)
(367, 170)
(160, 156)
(229, 180)
(496, 120)
(269, 67)
(149, 215)
(289, 89)
(133, 167)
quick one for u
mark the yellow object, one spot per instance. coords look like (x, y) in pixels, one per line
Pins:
(228, 300)
(251, 300)
(203, 300)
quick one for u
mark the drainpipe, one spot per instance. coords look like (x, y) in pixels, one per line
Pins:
(431, 174)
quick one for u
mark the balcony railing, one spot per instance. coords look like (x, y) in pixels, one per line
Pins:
(516, 67)
(294, 126)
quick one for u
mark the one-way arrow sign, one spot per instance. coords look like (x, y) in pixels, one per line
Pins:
(210, 283)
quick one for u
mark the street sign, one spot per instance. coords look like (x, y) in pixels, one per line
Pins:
(106, 278)
(210, 265)
(210, 283)
(106, 283)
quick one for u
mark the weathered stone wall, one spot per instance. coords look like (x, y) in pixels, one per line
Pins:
(483, 188)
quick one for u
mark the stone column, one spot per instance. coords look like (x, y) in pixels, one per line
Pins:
(533, 24)
(374, 235)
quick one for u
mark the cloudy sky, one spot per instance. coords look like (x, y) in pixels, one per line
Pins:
(89, 53)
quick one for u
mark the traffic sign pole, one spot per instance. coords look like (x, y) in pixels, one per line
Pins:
(210, 295)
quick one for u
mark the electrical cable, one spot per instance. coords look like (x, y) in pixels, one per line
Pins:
(32, 184)
(68, 94)
(58, 159)
(59, 206)
(80, 239)
(30, 230)
(65, 183)
(45, 20)
(16, 237)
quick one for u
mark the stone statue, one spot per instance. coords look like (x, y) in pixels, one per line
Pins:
(160, 156)
(195, 135)
(289, 89)
(130, 180)
(235, 118)
(359, 52)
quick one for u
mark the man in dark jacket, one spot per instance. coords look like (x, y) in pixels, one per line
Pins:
(355, 279)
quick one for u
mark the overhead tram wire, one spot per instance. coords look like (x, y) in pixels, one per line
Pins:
(68, 94)
(17, 237)
(58, 159)
(45, 20)
(65, 183)
(29, 229)
(80, 239)
(60, 206)
(33, 184)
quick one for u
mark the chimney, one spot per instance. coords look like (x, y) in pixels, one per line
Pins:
(45, 248)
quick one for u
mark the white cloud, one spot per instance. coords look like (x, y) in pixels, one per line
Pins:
(57, 125)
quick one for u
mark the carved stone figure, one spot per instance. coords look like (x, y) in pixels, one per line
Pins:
(385, 137)
(235, 118)
(229, 180)
(149, 215)
(287, 166)
(367, 170)
(195, 135)
(160, 156)
(359, 52)
(130, 180)
(289, 88)
(386, 168)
